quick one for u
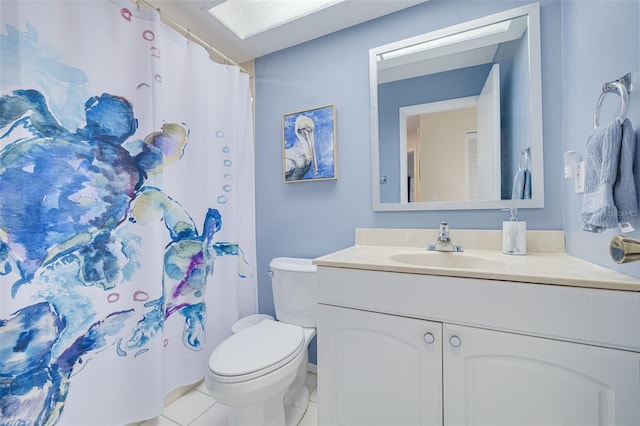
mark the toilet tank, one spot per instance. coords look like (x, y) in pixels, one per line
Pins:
(295, 295)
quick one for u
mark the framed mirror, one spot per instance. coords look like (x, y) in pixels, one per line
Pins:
(456, 117)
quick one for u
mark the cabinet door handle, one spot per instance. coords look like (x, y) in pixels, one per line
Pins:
(455, 341)
(429, 338)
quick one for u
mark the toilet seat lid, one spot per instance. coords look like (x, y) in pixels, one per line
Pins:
(261, 349)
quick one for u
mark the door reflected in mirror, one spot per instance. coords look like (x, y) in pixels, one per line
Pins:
(458, 146)
(451, 112)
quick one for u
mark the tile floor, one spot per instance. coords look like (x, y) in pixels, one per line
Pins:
(198, 408)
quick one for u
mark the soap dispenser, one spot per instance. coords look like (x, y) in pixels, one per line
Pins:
(514, 235)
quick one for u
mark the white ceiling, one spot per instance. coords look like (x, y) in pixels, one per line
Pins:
(194, 16)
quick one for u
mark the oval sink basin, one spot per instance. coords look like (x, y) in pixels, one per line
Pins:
(445, 260)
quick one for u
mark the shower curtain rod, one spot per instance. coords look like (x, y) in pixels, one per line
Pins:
(190, 36)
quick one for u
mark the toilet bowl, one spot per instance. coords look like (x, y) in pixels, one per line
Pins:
(259, 372)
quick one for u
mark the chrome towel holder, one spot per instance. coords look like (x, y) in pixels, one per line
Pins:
(622, 86)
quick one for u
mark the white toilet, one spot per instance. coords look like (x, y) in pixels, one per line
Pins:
(259, 372)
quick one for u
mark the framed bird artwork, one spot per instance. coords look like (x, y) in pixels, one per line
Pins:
(309, 144)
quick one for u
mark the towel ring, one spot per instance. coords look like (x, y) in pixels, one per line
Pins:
(612, 87)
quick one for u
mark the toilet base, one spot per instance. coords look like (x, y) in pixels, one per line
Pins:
(298, 406)
(296, 399)
(267, 413)
(284, 389)
(270, 413)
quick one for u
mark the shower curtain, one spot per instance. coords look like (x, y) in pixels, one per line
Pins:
(127, 240)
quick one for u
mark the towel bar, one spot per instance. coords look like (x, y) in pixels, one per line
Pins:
(621, 86)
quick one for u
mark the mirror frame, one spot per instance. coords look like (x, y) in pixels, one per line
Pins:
(532, 11)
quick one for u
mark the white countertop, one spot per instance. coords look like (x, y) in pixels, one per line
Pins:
(374, 248)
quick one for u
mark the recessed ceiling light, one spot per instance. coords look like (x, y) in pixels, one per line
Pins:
(246, 18)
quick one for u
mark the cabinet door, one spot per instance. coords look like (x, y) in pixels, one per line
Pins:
(495, 378)
(377, 369)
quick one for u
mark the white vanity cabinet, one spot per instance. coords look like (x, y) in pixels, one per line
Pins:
(506, 379)
(379, 369)
(496, 353)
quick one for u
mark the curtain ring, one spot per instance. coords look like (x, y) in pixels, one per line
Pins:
(610, 87)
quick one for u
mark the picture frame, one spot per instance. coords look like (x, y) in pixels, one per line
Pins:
(309, 145)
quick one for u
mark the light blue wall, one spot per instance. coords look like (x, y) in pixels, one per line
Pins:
(310, 219)
(601, 42)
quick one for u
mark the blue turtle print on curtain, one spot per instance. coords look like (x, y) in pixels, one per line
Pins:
(68, 198)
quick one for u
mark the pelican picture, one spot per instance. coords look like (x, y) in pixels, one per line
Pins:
(309, 144)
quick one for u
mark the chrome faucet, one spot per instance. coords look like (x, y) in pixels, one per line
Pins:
(444, 243)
